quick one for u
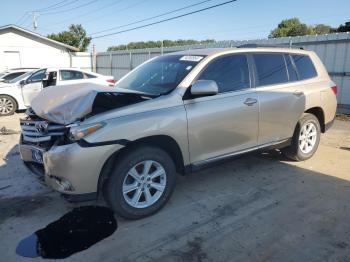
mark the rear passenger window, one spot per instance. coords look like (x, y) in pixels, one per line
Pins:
(293, 76)
(305, 67)
(271, 69)
(231, 73)
(71, 75)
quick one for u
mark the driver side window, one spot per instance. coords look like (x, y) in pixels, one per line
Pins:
(37, 76)
(230, 73)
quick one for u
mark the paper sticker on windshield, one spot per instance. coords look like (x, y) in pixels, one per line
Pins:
(191, 58)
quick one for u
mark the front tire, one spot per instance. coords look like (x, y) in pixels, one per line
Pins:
(8, 105)
(306, 138)
(141, 182)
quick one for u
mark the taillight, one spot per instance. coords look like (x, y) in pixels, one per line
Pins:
(334, 89)
(112, 81)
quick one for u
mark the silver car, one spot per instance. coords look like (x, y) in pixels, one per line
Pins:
(172, 115)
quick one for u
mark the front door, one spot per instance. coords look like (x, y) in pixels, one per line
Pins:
(32, 86)
(227, 122)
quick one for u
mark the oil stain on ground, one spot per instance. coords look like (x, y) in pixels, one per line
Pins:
(77, 230)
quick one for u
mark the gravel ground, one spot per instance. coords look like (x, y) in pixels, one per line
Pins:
(259, 207)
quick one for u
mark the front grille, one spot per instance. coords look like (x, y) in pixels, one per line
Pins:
(38, 131)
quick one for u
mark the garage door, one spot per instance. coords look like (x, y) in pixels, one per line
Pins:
(12, 59)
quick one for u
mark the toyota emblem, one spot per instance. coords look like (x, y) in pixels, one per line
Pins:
(42, 127)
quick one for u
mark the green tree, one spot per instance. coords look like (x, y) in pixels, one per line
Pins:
(75, 36)
(152, 44)
(291, 27)
(344, 28)
(322, 29)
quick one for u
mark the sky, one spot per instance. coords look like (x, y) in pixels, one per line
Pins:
(240, 20)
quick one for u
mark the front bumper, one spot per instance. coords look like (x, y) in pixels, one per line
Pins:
(72, 169)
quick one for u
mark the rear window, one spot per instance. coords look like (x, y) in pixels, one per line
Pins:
(305, 67)
(71, 75)
(271, 69)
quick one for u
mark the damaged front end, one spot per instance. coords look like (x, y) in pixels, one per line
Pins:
(37, 138)
(53, 133)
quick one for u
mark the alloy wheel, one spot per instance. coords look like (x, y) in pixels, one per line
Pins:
(144, 184)
(6, 106)
(307, 137)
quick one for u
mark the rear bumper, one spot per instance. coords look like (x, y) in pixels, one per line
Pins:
(329, 125)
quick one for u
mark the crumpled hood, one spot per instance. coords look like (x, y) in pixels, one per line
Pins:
(67, 103)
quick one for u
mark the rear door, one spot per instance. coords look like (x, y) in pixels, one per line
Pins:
(281, 99)
(227, 122)
(32, 86)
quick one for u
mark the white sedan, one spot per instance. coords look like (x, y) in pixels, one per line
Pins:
(18, 93)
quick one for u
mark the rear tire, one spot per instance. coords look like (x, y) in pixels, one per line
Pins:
(141, 182)
(8, 105)
(305, 140)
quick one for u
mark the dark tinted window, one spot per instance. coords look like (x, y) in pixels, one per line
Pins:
(89, 76)
(293, 76)
(271, 69)
(304, 66)
(229, 72)
(71, 75)
(12, 76)
(37, 76)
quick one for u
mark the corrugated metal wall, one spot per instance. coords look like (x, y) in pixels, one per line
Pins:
(333, 50)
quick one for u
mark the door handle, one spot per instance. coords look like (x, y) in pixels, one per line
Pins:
(250, 101)
(298, 93)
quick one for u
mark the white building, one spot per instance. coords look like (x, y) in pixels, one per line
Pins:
(22, 48)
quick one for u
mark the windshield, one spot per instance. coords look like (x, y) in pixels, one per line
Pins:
(161, 75)
(19, 78)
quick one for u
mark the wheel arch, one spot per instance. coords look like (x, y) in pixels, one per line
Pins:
(319, 114)
(164, 142)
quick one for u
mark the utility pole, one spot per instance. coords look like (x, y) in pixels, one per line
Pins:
(35, 22)
(94, 60)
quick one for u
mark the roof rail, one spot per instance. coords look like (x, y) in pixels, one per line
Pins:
(277, 46)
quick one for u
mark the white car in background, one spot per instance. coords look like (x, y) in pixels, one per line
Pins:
(18, 94)
(10, 74)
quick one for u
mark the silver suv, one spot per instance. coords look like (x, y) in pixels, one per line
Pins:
(172, 115)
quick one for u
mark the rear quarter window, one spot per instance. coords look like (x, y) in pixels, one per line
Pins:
(305, 66)
(89, 75)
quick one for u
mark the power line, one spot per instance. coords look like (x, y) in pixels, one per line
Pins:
(168, 19)
(113, 13)
(52, 6)
(150, 18)
(70, 9)
(87, 13)
(23, 16)
(60, 4)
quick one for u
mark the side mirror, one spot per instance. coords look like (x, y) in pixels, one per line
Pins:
(204, 88)
(22, 83)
